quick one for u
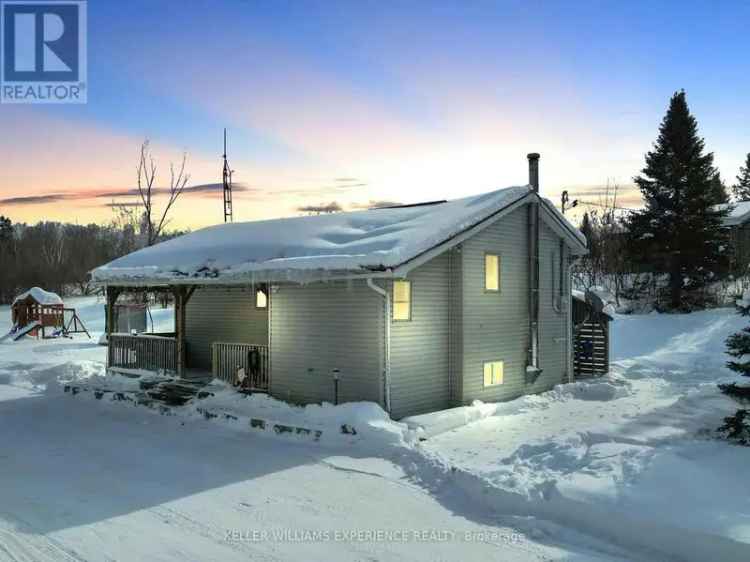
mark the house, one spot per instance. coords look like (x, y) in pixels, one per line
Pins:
(738, 223)
(417, 308)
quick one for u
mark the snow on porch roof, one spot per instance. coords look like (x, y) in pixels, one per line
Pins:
(311, 247)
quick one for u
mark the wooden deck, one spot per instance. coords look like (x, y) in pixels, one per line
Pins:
(143, 352)
(242, 365)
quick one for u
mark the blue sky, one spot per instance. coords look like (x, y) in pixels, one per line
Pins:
(407, 100)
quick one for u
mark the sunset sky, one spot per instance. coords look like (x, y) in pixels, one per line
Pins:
(356, 102)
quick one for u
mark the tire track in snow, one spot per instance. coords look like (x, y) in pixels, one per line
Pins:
(211, 533)
(25, 547)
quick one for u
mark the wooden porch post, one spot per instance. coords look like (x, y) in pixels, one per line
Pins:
(181, 297)
(112, 294)
(179, 331)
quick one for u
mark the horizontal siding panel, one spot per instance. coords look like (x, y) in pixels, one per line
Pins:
(420, 377)
(324, 326)
(222, 315)
(495, 325)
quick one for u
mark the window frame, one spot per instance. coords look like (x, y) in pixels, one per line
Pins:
(393, 301)
(264, 290)
(491, 364)
(499, 270)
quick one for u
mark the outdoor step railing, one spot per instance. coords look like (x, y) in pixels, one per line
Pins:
(142, 352)
(234, 361)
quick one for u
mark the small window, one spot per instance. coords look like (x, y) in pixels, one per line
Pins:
(261, 299)
(493, 373)
(491, 272)
(402, 300)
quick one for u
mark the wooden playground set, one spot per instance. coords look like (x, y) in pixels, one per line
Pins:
(43, 314)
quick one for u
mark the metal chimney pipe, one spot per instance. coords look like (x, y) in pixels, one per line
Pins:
(534, 170)
(532, 365)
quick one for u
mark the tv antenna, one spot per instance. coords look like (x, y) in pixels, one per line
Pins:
(226, 176)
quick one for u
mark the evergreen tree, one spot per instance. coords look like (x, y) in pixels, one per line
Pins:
(679, 232)
(737, 427)
(6, 259)
(720, 193)
(6, 230)
(741, 190)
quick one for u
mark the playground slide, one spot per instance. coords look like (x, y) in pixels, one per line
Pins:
(17, 333)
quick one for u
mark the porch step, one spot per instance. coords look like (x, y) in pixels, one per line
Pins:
(167, 391)
(174, 392)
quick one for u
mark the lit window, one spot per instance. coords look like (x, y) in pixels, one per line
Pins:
(402, 300)
(493, 373)
(491, 272)
(261, 299)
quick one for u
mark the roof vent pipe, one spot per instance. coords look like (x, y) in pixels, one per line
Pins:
(534, 171)
(532, 365)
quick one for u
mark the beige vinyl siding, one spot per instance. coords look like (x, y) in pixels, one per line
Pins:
(324, 326)
(552, 321)
(455, 321)
(217, 314)
(420, 378)
(495, 325)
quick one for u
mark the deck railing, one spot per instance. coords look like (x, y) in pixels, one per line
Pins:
(142, 352)
(241, 364)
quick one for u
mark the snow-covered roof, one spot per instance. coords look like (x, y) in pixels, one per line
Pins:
(607, 298)
(318, 247)
(39, 295)
(739, 213)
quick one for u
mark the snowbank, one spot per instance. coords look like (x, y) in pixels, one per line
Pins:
(435, 423)
(353, 422)
(365, 423)
(43, 377)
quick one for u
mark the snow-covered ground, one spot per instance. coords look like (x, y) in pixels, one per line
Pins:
(625, 467)
(631, 457)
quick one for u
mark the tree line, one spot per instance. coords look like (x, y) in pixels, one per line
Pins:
(59, 256)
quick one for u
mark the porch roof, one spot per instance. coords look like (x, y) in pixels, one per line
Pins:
(377, 242)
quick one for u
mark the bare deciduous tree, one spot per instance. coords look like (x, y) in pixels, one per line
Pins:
(606, 265)
(147, 171)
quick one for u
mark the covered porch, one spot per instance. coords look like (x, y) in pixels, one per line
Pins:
(199, 348)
